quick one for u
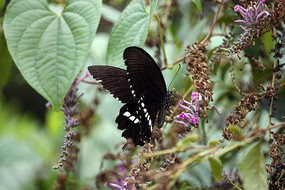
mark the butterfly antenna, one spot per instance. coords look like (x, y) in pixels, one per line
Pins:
(174, 76)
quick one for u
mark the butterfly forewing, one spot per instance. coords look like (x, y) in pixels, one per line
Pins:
(114, 80)
(143, 73)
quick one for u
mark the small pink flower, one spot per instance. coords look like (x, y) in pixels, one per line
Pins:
(194, 120)
(194, 96)
(182, 116)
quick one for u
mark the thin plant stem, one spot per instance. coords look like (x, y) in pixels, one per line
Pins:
(234, 78)
(209, 151)
(232, 183)
(213, 24)
(272, 99)
(204, 133)
(203, 42)
(161, 39)
(90, 82)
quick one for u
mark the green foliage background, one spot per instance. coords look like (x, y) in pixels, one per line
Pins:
(31, 135)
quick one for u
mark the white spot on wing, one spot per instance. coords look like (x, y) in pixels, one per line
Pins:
(127, 114)
(144, 110)
(149, 122)
(136, 121)
(133, 92)
(132, 118)
(142, 104)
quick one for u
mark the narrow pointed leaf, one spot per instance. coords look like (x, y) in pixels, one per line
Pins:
(49, 48)
(216, 168)
(130, 30)
(253, 169)
(235, 130)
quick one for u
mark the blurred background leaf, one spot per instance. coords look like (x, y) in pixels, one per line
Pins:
(130, 30)
(6, 62)
(253, 168)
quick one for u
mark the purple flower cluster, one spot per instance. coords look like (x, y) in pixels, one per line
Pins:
(120, 183)
(70, 109)
(190, 116)
(70, 104)
(252, 14)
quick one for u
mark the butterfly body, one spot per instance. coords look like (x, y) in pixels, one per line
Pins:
(141, 87)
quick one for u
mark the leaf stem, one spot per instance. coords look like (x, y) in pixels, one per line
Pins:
(232, 183)
(213, 24)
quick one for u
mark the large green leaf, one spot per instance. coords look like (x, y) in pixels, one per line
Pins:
(130, 30)
(253, 169)
(49, 49)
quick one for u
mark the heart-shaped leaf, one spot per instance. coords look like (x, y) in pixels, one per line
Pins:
(49, 48)
(130, 30)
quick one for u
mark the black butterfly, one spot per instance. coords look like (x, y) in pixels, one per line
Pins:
(141, 87)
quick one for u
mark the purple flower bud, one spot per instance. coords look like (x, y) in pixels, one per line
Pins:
(48, 105)
(121, 167)
(237, 8)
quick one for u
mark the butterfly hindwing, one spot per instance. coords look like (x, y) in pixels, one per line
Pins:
(114, 80)
(137, 119)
